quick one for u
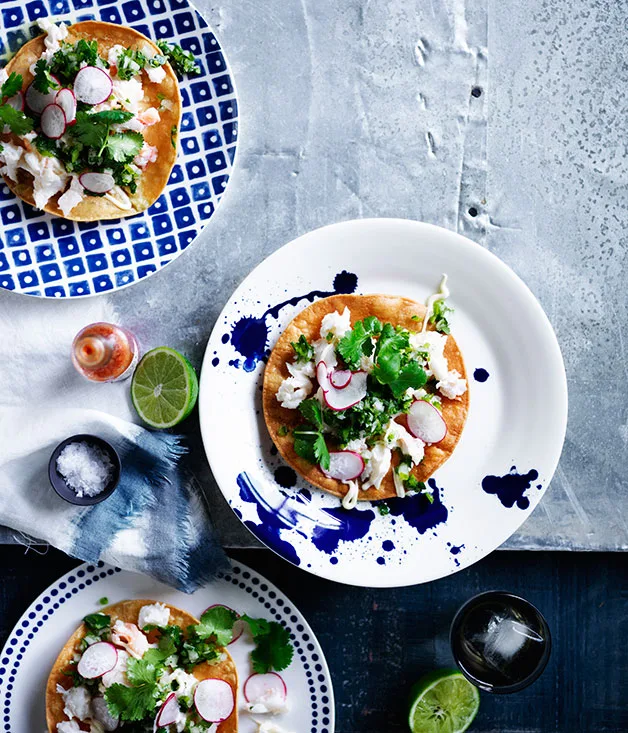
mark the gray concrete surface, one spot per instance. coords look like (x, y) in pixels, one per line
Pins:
(357, 108)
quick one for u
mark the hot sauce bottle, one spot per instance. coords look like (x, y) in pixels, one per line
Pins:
(104, 352)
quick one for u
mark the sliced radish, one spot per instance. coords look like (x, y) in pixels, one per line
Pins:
(344, 465)
(97, 182)
(101, 712)
(38, 101)
(238, 626)
(16, 101)
(214, 700)
(342, 399)
(92, 85)
(426, 422)
(53, 122)
(168, 712)
(97, 660)
(340, 378)
(67, 101)
(259, 687)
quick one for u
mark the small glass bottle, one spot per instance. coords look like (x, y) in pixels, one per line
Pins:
(104, 352)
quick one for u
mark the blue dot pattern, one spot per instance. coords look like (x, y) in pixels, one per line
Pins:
(50, 257)
(321, 696)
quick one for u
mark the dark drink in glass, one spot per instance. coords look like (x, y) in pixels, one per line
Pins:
(500, 642)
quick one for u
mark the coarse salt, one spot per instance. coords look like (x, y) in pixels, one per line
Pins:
(85, 467)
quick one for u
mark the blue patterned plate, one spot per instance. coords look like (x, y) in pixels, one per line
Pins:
(34, 643)
(51, 257)
(509, 447)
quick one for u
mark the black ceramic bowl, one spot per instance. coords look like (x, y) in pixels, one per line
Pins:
(59, 484)
(501, 642)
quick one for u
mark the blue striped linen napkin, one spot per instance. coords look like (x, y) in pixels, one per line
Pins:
(156, 522)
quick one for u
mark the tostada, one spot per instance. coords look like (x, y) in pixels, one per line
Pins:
(366, 395)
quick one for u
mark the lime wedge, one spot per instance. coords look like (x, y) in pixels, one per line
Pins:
(164, 388)
(443, 701)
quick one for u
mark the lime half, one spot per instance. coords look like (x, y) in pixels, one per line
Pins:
(164, 388)
(443, 701)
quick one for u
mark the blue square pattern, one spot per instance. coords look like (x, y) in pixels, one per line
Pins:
(49, 256)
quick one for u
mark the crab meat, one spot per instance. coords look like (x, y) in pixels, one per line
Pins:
(148, 154)
(149, 117)
(129, 637)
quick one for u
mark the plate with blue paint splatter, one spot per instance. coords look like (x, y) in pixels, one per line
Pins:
(503, 462)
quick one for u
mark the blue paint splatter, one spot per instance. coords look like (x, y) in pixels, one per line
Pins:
(249, 335)
(333, 560)
(381, 561)
(417, 510)
(215, 361)
(510, 489)
(456, 550)
(354, 524)
(285, 476)
(270, 523)
(480, 375)
(388, 546)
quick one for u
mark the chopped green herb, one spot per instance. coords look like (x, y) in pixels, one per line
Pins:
(217, 622)
(161, 96)
(11, 86)
(183, 62)
(173, 136)
(357, 343)
(104, 601)
(97, 621)
(429, 496)
(43, 80)
(303, 349)
(45, 146)
(415, 318)
(282, 431)
(66, 62)
(383, 509)
(17, 121)
(440, 315)
(312, 411)
(309, 443)
(124, 146)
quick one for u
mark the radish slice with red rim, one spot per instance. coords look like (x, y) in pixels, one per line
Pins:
(238, 626)
(168, 712)
(101, 712)
(67, 101)
(97, 660)
(342, 399)
(97, 182)
(16, 101)
(260, 687)
(92, 85)
(53, 122)
(213, 700)
(340, 378)
(426, 423)
(344, 465)
(37, 101)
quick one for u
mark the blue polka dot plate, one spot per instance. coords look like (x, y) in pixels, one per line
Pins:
(50, 257)
(34, 643)
(510, 445)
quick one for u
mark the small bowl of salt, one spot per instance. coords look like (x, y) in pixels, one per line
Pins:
(84, 469)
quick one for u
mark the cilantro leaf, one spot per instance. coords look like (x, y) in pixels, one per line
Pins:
(312, 411)
(124, 146)
(440, 315)
(112, 116)
(19, 123)
(97, 621)
(66, 62)
(217, 622)
(131, 703)
(309, 443)
(257, 626)
(47, 147)
(303, 350)
(273, 650)
(357, 343)
(183, 62)
(90, 130)
(11, 86)
(411, 376)
(130, 63)
(44, 81)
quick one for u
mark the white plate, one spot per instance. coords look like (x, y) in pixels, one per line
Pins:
(517, 416)
(35, 642)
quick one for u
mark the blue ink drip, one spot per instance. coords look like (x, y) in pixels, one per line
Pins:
(510, 489)
(270, 523)
(354, 525)
(418, 512)
(225, 338)
(388, 546)
(215, 361)
(285, 477)
(480, 375)
(333, 560)
(381, 561)
(249, 335)
(306, 493)
(456, 550)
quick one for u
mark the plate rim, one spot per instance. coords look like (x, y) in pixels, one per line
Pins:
(418, 227)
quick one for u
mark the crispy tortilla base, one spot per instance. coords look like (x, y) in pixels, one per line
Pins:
(388, 308)
(128, 611)
(154, 178)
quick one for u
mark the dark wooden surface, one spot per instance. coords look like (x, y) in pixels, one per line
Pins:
(378, 642)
